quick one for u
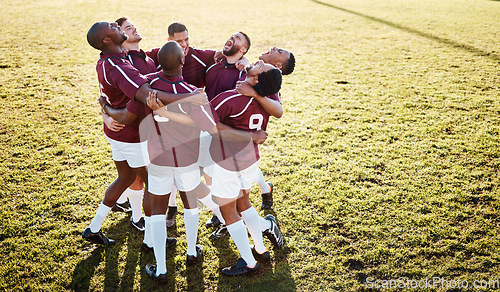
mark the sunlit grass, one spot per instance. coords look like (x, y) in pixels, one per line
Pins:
(386, 161)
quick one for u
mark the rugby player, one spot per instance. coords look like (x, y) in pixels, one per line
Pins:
(122, 86)
(235, 167)
(173, 151)
(285, 61)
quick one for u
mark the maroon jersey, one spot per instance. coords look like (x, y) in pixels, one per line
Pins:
(153, 54)
(118, 82)
(140, 60)
(243, 113)
(222, 76)
(171, 143)
(195, 65)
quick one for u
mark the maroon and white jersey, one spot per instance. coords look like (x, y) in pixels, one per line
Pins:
(140, 60)
(118, 83)
(153, 54)
(243, 113)
(195, 65)
(170, 143)
(222, 76)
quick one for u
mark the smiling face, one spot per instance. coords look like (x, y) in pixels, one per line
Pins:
(130, 31)
(182, 38)
(236, 43)
(275, 56)
(253, 71)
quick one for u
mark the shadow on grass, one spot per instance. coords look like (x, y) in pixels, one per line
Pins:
(85, 269)
(272, 276)
(417, 32)
(136, 260)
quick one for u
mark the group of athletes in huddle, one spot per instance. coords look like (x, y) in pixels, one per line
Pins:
(165, 132)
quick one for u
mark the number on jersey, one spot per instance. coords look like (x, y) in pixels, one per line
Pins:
(256, 121)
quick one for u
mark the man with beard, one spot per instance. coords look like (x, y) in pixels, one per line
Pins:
(122, 86)
(284, 61)
(223, 75)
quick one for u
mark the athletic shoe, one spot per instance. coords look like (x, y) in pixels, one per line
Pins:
(122, 207)
(139, 225)
(261, 257)
(213, 222)
(97, 237)
(273, 233)
(240, 269)
(192, 260)
(172, 211)
(267, 198)
(151, 271)
(221, 231)
(171, 241)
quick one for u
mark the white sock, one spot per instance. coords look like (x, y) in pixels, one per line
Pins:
(252, 221)
(209, 202)
(191, 221)
(123, 198)
(239, 235)
(100, 215)
(135, 199)
(173, 196)
(264, 224)
(261, 182)
(148, 239)
(159, 236)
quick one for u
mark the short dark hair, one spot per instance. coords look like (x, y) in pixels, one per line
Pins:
(170, 55)
(176, 27)
(289, 66)
(121, 20)
(269, 82)
(248, 40)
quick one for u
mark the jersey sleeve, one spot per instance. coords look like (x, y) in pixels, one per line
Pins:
(221, 108)
(127, 78)
(203, 117)
(135, 107)
(208, 57)
(276, 96)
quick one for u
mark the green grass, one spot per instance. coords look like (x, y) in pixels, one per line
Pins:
(385, 164)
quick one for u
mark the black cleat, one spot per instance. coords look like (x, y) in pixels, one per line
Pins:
(213, 222)
(267, 199)
(122, 207)
(171, 241)
(221, 231)
(261, 257)
(139, 225)
(273, 233)
(172, 211)
(192, 260)
(151, 271)
(97, 237)
(240, 269)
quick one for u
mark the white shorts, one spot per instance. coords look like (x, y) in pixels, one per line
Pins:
(134, 153)
(204, 158)
(161, 179)
(228, 184)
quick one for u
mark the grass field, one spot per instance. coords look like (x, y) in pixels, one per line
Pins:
(386, 163)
